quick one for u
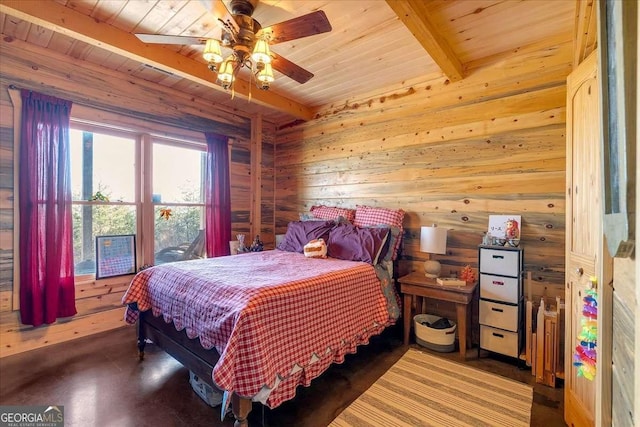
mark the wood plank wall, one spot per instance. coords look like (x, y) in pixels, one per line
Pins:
(267, 185)
(139, 103)
(446, 153)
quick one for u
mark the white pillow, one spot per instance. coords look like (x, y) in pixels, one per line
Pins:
(316, 248)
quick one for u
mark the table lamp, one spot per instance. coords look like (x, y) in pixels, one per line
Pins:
(433, 240)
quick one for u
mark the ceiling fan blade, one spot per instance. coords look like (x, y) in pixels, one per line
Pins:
(297, 28)
(290, 69)
(162, 39)
(222, 14)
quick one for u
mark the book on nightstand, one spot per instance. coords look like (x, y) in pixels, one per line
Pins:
(450, 281)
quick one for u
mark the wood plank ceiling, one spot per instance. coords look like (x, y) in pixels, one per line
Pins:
(373, 44)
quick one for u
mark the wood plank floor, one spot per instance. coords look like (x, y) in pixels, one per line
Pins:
(100, 382)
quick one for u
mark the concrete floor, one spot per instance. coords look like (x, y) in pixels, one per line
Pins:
(101, 382)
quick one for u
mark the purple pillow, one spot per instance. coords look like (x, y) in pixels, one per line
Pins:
(348, 242)
(299, 233)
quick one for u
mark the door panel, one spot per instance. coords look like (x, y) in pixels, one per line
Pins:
(584, 230)
(579, 392)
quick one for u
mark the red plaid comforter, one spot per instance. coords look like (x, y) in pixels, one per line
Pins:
(276, 318)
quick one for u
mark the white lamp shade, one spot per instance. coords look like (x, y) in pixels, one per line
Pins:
(261, 52)
(226, 71)
(433, 240)
(212, 51)
(266, 74)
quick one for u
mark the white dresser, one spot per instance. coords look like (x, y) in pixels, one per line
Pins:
(501, 312)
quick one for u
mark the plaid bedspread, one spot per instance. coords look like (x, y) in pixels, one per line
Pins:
(276, 318)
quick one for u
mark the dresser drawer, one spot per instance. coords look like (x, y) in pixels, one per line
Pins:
(499, 315)
(499, 341)
(499, 288)
(502, 262)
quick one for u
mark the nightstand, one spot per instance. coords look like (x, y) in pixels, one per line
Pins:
(418, 286)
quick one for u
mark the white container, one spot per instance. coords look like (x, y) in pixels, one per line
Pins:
(212, 396)
(498, 315)
(499, 261)
(499, 288)
(499, 341)
(442, 340)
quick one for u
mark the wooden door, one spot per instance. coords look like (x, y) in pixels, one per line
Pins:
(584, 240)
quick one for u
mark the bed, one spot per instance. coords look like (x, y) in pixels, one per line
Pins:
(258, 325)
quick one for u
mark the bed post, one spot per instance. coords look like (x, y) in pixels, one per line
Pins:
(241, 407)
(141, 338)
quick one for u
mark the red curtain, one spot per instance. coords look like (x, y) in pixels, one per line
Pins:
(217, 195)
(47, 289)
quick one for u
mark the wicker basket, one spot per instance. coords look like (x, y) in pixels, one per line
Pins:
(442, 340)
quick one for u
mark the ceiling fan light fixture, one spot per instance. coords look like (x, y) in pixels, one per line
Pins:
(249, 42)
(261, 52)
(212, 52)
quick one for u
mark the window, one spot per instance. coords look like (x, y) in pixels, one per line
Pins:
(111, 194)
(103, 191)
(178, 198)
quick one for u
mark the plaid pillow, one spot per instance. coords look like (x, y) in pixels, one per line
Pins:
(332, 213)
(367, 216)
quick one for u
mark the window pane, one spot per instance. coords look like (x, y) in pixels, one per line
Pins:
(90, 221)
(102, 163)
(176, 237)
(177, 174)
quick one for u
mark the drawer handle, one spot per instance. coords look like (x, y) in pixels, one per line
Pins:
(497, 335)
(499, 283)
(498, 256)
(499, 310)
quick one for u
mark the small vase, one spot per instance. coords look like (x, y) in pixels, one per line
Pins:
(241, 246)
(514, 242)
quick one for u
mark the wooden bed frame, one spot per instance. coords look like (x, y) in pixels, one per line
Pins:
(190, 353)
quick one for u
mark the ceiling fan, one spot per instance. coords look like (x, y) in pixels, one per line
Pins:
(249, 42)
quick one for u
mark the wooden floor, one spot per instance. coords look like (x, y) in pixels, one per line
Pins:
(100, 382)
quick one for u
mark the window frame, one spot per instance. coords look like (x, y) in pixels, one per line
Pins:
(150, 205)
(105, 129)
(143, 177)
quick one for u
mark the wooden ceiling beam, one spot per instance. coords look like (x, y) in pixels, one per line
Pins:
(415, 16)
(56, 17)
